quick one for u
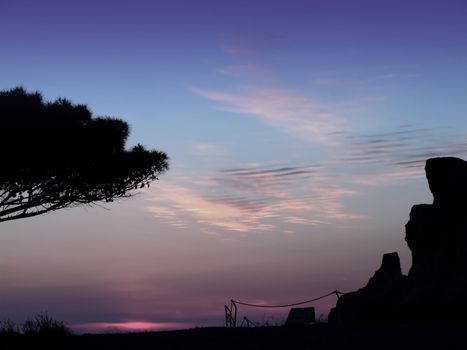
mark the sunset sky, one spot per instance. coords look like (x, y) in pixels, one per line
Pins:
(297, 133)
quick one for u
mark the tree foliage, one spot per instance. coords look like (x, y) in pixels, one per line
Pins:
(56, 154)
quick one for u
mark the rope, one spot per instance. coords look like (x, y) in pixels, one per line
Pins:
(288, 305)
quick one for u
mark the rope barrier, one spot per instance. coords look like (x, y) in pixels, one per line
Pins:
(336, 292)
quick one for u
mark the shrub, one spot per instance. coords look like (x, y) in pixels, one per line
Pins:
(45, 325)
(8, 328)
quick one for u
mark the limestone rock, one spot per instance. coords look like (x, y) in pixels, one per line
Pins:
(435, 289)
(374, 301)
(447, 179)
(387, 275)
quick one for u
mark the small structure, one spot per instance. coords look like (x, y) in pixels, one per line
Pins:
(300, 317)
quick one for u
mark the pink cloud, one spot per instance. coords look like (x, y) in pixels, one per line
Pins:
(205, 149)
(252, 200)
(180, 205)
(293, 114)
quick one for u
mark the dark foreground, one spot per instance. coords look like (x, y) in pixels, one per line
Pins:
(320, 336)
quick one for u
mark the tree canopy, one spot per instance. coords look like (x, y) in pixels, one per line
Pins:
(55, 155)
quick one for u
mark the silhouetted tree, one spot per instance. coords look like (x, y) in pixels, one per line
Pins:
(56, 154)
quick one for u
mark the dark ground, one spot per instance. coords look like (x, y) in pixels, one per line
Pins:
(319, 336)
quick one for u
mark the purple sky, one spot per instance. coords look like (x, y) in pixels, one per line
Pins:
(297, 132)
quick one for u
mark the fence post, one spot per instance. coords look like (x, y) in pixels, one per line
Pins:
(233, 308)
(228, 316)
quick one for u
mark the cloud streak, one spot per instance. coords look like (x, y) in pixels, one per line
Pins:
(296, 115)
(254, 199)
(399, 147)
(405, 147)
(262, 197)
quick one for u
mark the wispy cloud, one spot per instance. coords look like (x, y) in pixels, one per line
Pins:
(248, 199)
(401, 146)
(296, 115)
(263, 197)
(260, 197)
(180, 206)
(206, 149)
(405, 147)
(351, 79)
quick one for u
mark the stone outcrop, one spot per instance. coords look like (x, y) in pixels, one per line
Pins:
(435, 289)
(375, 300)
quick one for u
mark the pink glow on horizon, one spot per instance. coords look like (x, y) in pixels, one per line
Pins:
(129, 326)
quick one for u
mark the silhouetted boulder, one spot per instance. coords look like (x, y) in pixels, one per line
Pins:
(447, 179)
(375, 300)
(435, 289)
(387, 275)
(422, 240)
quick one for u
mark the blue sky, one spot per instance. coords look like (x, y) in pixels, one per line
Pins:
(297, 132)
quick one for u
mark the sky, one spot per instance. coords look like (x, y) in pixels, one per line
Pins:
(297, 133)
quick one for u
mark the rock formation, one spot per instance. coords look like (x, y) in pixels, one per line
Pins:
(435, 289)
